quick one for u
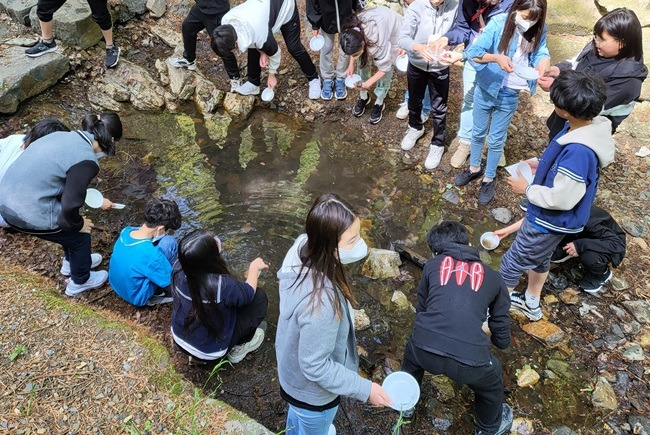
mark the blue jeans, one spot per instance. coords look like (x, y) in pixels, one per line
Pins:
(169, 247)
(466, 119)
(303, 422)
(501, 110)
(426, 102)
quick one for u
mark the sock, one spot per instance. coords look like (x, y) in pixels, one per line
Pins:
(379, 101)
(531, 300)
(363, 95)
(48, 41)
(108, 47)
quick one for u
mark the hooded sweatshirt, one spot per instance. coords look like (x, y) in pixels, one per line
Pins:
(422, 20)
(565, 184)
(455, 293)
(316, 352)
(382, 27)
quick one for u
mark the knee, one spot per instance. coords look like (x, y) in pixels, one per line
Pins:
(261, 297)
(168, 245)
(44, 15)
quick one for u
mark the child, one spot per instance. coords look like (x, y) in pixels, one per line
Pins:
(214, 314)
(372, 33)
(508, 41)
(454, 295)
(600, 243)
(141, 264)
(425, 74)
(326, 18)
(205, 14)
(615, 54)
(250, 26)
(564, 186)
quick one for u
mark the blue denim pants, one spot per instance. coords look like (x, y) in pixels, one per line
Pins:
(169, 247)
(466, 119)
(495, 113)
(304, 422)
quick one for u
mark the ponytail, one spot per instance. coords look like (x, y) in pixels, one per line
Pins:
(106, 128)
(353, 39)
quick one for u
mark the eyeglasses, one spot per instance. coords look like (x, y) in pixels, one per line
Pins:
(598, 42)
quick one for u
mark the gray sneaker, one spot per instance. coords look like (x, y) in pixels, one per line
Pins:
(506, 422)
(181, 62)
(239, 352)
(96, 279)
(42, 48)
(112, 56)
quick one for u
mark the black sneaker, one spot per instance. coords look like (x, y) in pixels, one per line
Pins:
(376, 113)
(506, 422)
(518, 302)
(466, 176)
(594, 283)
(41, 48)
(112, 56)
(523, 205)
(360, 107)
(159, 298)
(486, 194)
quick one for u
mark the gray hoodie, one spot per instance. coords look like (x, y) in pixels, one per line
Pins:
(316, 352)
(422, 20)
(381, 27)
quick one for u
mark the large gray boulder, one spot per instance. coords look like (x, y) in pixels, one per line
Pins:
(22, 77)
(124, 10)
(18, 10)
(130, 82)
(73, 24)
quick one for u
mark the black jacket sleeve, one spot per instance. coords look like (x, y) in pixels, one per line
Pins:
(77, 180)
(499, 321)
(314, 14)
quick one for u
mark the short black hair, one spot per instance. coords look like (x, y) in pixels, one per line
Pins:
(43, 128)
(624, 26)
(159, 211)
(444, 233)
(581, 93)
(223, 40)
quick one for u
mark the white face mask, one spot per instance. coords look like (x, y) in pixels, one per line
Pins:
(358, 251)
(99, 155)
(523, 25)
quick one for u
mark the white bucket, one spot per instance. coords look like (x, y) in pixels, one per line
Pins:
(268, 94)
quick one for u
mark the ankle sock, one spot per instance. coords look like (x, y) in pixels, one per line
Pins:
(531, 300)
(108, 47)
(48, 41)
(363, 95)
(379, 101)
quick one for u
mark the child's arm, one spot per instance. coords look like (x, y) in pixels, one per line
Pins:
(565, 193)
(254, 270)
(542, 58)
(505, 232)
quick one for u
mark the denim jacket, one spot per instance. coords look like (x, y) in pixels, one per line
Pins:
(489, 76)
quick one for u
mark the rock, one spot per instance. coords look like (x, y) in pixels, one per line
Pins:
(560, 368)
(558, 281)
(130, 79)
(233, 427)
(74, 24)
(170, 37)
(22, 42)
(238, 106)
(640, 242)
(639, 424)
(381, 264)
(361, 320)
(603, 395)
(217, 126)
(206, 95)
(550, 300)
(636, 124)
(640, 7)
(451, 196)
(545, 331)
(157, 8)
(100, 100)
(633, 352)
(22, 77)
(522, 426)
(564, 430)
(570, 296)
(639, 309)
(634, 227)
(181, 82)
(485, 257)
(124, 10)
(617, 330)
(586, 308)
(400, 300)
(18, 10)
(619, 284)
(572, 17)
(527, 378)
(502, 215)
(444, 387)
(363, 353)
(619, 312)
(644, 339)
(632, 327)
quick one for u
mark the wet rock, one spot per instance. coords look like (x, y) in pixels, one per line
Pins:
(130, 79)
(545, 331)
(361, 320)
(633, 352)
(451, 196)
(18, 10)
(502, 215)
(563, 430)
(639, 424)
(485, 257)
(527, 378)
(22, 77)
(217, 126)
(619, 284)
(401, 301)
(444, 387)
(639, 309)
(634, 227)
(167, 35)
(632, 327)
(74, 25)
(206, 95)
(558, 281)
(381, 264)
(181, 82)
(570, 296)
(603, 395)
(560, 368)
(100, 100)
(124, 10)
(156, 8)
(238, 106)
(522, 426)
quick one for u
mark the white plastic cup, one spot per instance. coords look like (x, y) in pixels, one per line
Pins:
(526, 171)
(118, 206)
(490, 241)
(403, 390)
(402, 62)
(268, 94)
(351, 81)
(94, 198)
(316, 43)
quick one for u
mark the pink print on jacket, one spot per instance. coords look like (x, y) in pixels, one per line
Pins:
(475, 270)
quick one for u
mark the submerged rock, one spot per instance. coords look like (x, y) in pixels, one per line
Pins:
(502, 215)
(217, 126)
(639, 309)
(604, 395)
(381, 264)
(238, 106)
(361, 320)
(560, 368)
(451, 196)
(134, 82)
(74, 25)
(545, 331)
(563, 430)
(401, 301)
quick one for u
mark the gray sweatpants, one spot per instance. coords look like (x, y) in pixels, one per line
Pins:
(327, 71)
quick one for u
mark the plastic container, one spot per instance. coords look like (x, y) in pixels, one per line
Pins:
(118, 206)
(526, 72)
(490, 241)
(403, 390)
(268, 94)
(351, 81)
(402, 62)
(316, 43)
(525, 170)
(94, 198)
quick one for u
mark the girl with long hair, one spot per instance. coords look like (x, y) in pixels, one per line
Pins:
(215, 314)
(315, 344)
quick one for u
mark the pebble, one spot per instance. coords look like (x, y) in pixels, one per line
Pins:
(558, 281)
(598, 343)
(527, 378)
(634, 352)
(570, 296)
(633, 327)
(619, 284)
(522, 426)
(49, 352)
(639, 309)
(451, 196)
(617, 330)
(563, 430)
(618, 311)
(502, 215)
(126, 366)
(635, 228)
(361, 320)
(603, 395)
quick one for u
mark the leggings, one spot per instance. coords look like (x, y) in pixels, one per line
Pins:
(99, 10)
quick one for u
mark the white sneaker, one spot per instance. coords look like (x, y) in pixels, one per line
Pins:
(248, 89)
(425, 118)
(239, 352)
(181, 62)
(96, 279)
(234, 84)
(403, 111)
(412, 136)
(434, 157)
(95, 259)
(314, 89)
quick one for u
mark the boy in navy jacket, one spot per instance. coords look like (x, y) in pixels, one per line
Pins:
(564, 187)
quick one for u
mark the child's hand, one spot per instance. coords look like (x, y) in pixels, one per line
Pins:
(258, 264)
(264, 60)
(533, 165)
(543, 66)
(518, 184)
(502, 233)
(570, 248)
(423, 51)
(378, 396)
(504, 62)
(107, 204)
(271, 81)
(450, 58)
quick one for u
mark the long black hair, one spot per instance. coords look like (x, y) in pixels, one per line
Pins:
(353, 38)
(107, 129)
(624, 26)
(43, 128)
(536, 12)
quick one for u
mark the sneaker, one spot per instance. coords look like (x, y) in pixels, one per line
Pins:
(461, 154)
(95, 260)
(594, 283)
(467, 175)
(523, 205)
(239, 352)
(181, 62)
(403, 111)
(314, 89)
(340, 90)
(434, 157)
(486, 193)
(96, 279)
(194, 361)
(506, 422)
(41, 48)
(248, 89)
(424, 116)
(411, 137)
(234, 83)
(112, 56)
(159, 298)
(518, 302)
(376, 113)
(326, 92)
(360, 107)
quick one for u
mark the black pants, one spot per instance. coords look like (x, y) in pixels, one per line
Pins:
(76, 248)
(291, 34)
(438, 82)
(595, 263)
(249, 318)
(98, 8)
(192, 25)
(485, 381)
